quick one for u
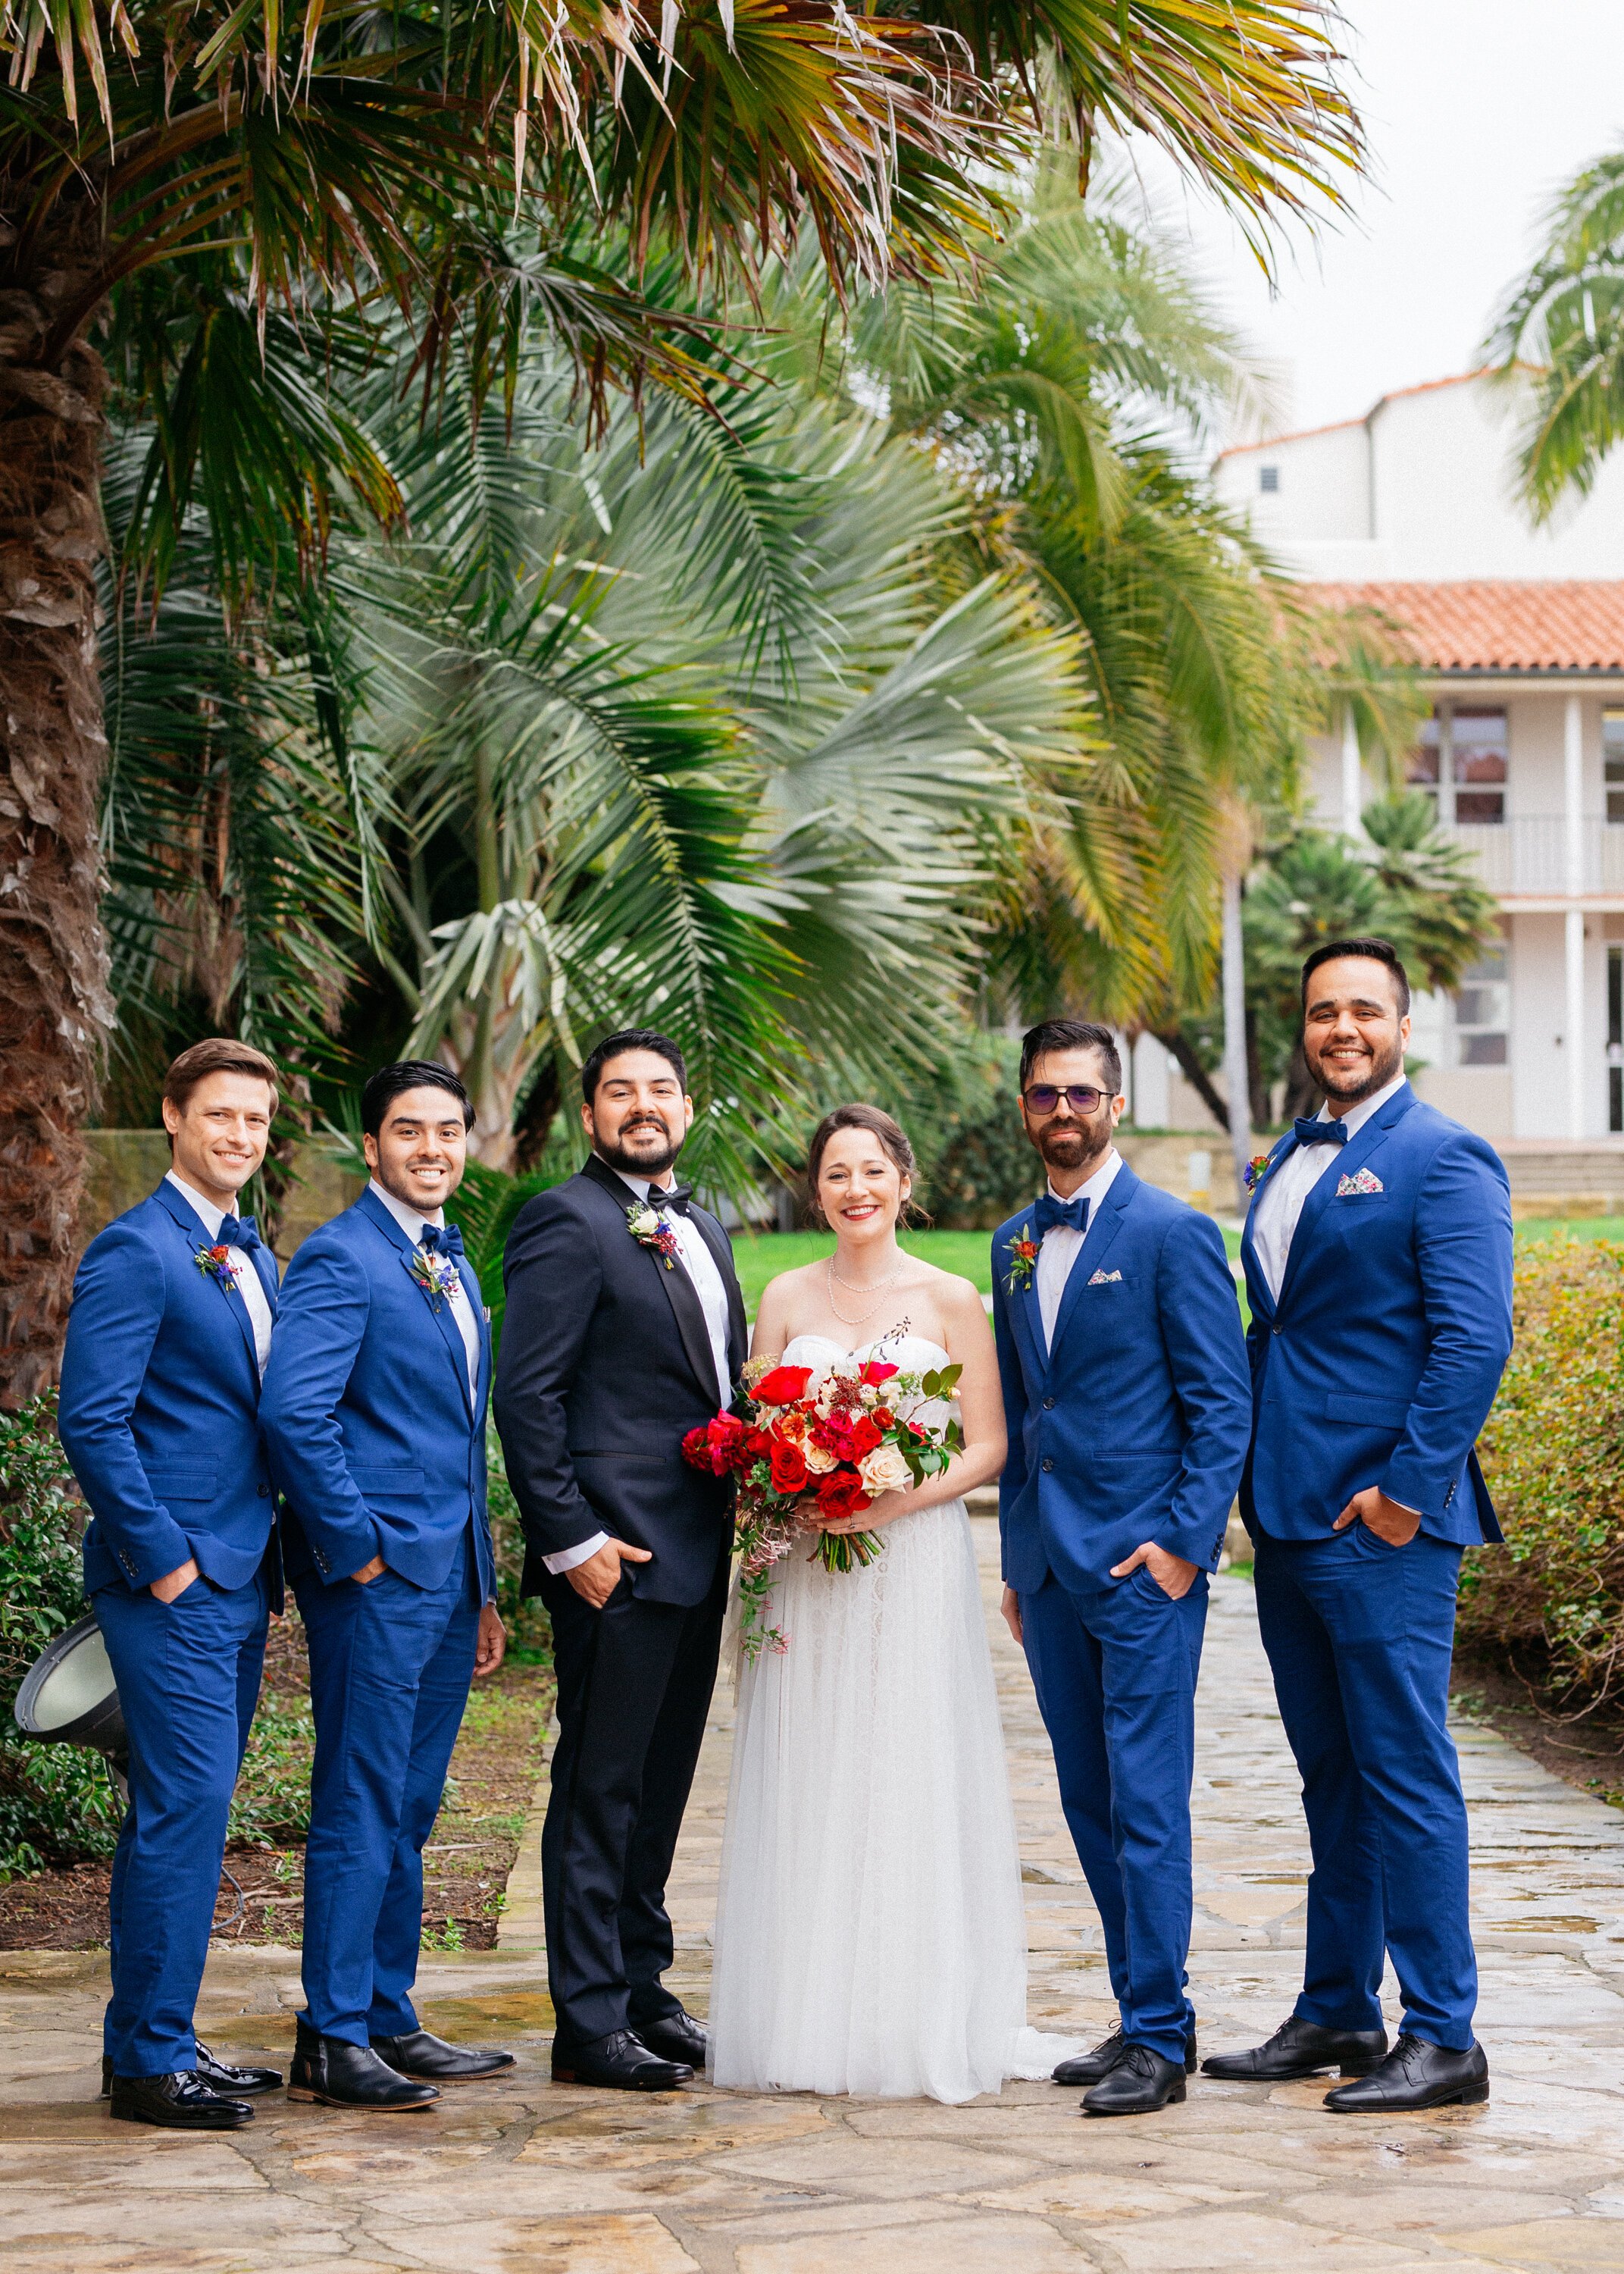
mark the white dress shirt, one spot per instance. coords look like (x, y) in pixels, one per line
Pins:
(1278, 1206)
(414, 1224)
(250, 1286)
(1061, 1244)
(698, 1261)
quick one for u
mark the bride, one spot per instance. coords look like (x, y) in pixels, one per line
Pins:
(871, 1936)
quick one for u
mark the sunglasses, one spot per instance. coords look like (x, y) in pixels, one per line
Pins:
(1045, 1096)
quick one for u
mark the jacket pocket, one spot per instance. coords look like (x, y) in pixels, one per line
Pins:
(183, 1484)
(1375, 1412)
(389, 1481)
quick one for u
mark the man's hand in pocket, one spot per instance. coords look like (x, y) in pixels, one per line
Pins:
(597, 1579)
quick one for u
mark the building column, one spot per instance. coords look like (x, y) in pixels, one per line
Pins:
(1573, 818)
(1235, 1082)
(1353, 779)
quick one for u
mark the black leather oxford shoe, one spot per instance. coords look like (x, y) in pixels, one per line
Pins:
(178, 2102)
(1140, 2081)
(419, 2054)
(1095, 2067)
(343, 2075)
(675, 2038)
(1415, 2074)
(219, 2076)
(621, 2062)
(1300, 2048)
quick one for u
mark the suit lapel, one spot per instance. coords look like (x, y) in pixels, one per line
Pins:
(686, 1311)
(1351, 1157)
(1026, 1318)
(722, 1252)
(442, 1313)
(1257, 1280)
(1104, 1223)
(191, 1226)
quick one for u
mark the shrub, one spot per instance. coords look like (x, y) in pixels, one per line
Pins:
(57, 1803)
(1552, 1451)
(529, 1629)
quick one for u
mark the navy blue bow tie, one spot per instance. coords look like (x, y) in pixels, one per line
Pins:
(1320, 1133)
(446, 1237)
(1072, 1213)
(239, 1231)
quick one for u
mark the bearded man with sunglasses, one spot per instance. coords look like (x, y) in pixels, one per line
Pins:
(1128, 1406)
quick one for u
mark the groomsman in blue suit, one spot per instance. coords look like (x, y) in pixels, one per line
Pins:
(159, 1415)
(1378, 1255)
(373, 1413)
(1124, 1388)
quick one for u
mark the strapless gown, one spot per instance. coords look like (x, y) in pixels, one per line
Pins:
(870, 1934)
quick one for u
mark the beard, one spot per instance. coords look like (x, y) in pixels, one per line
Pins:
(1350, 1088)
(650, 1161)
(1071, 1147)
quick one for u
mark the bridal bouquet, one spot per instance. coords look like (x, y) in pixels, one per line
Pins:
(803, 1456)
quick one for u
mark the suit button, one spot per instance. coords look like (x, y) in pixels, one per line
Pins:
(1047, 1405)
(1274, 1330)
(264, 1491)
(1048, 1464)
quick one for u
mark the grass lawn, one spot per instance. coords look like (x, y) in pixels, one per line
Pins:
(760, 1255)
(1578, 1227)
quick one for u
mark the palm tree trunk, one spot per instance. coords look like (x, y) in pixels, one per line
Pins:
(54, 1005)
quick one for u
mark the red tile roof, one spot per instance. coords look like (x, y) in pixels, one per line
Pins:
(1497, 626)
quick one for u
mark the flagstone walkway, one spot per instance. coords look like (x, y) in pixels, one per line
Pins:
(525, 2175)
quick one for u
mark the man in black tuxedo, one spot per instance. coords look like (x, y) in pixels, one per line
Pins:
(625, 1329)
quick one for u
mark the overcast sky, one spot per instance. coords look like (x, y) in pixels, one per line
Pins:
(1476, 111)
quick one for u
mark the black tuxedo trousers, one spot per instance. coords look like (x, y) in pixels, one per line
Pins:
(634, 1688)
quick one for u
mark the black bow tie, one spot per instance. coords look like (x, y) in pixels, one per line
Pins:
(1320, 1133)
(239, 1231)
(1051, 1212)
(677, 1199)
(446, 1237)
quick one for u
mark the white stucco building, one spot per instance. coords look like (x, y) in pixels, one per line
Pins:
(1520, 633)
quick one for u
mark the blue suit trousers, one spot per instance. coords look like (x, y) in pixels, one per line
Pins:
(390, 1665)
(1114, 1670)
(188, 1675)
(1360, 1635)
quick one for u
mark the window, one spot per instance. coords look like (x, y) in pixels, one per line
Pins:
(1615, 1038)
(1478, 746)
(1612, 762)
(1483, 1011)
(1426, 768)
(1268, 480)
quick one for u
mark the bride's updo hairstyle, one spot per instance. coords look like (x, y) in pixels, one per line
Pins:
(892, 1142)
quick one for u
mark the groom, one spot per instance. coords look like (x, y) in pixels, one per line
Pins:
(624, 1329)
(1126, 1394)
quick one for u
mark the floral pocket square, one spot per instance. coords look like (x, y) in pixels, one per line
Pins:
(1361, 1182)
(1106, 1279)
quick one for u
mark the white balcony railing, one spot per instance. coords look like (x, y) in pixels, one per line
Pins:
(1528, 854)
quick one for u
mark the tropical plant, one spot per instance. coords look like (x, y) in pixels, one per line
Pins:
(438, 160)
(1557, 342)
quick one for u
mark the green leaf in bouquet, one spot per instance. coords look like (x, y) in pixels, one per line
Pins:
(941, 1383)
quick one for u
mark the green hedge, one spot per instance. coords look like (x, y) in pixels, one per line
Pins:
(1553, 1602)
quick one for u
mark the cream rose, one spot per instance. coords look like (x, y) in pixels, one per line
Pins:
(817, 1457)
(885, 1470)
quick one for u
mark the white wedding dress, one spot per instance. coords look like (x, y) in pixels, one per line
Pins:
(870, 1935)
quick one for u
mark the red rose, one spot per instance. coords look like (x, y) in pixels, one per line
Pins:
(758, 1444)
(865, 1436)
(696, 1448)
(783, 1386)
(841, 1493)
(883, 1418)
(875, 1373)
(789, 1468)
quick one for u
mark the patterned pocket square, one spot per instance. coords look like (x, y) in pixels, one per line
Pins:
(1105, 1279)
(1362, 1182)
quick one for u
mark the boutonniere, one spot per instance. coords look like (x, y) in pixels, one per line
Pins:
(1361, 1181)
(216, 1263)
(1257, 1169)
(437, 1274)
(1023, 1254)
(649, 1228)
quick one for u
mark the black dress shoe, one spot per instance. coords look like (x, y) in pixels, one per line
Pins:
(1141, 2080)
(1415, 2074)
(1093, 2069)
(675, 2038)
(219, 2076)
(1300, 2048)
(620, 2061)
(178, 2102)
(419, 2054)
(342, 2075)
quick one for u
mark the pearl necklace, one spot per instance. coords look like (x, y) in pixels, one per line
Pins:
(879, 1297)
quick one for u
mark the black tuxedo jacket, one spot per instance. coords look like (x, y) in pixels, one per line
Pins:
(605, 1365)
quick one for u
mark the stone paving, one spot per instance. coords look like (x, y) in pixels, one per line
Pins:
(525, 2175)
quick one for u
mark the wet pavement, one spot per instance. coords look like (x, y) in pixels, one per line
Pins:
(526, 2175)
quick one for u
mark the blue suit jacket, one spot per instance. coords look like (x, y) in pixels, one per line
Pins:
(160, 1406)
(1134, 1427)
(371, 1433)
(1380, 1360)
